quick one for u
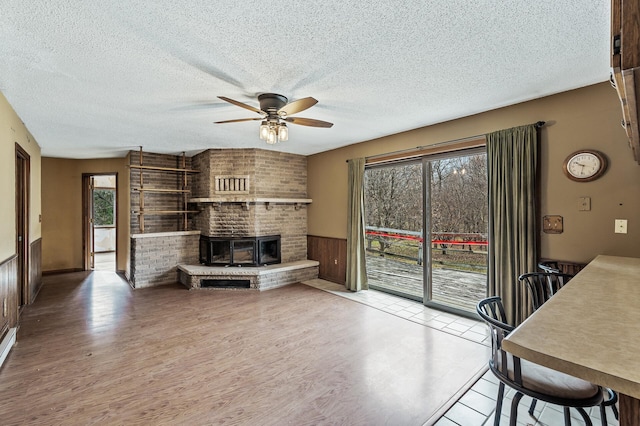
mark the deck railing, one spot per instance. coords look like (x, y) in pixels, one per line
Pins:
(409, 244)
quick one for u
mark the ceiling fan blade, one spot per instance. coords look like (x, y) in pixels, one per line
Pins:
(297, 106)
(308, 122)
(241, 105)
(237, 120)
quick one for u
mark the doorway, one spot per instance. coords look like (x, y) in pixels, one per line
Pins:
(426, 229)
(458, 210)
(394, 228)
(23, 186)
(100, 194)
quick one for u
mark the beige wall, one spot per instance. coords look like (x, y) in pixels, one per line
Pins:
(62, 210)
(14, 131)
(584, 118)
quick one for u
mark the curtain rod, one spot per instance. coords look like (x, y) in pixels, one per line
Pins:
(538, 124)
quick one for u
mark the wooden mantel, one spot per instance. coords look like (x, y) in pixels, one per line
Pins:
(250, 199)
(247, 200)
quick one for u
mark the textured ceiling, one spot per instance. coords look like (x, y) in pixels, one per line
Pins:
(97, 78)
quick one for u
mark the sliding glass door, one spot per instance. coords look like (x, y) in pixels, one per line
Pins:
(394, 224)
(457, 210)
(426, 229)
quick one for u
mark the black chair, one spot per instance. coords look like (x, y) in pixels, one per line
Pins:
(541, 286)
(527, 378)
(549, 266)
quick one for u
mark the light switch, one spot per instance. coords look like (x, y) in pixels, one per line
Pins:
(621, 226)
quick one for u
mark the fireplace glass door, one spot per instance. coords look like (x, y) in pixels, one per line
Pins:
(220, 252)
(249, 251)
(242, 252)
(268, 250)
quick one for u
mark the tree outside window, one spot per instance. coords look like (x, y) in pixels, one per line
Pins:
(104, 207)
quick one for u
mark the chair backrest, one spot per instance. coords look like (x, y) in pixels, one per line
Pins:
(538, 382)
(543, 285)
(549, 266)
(491, 310)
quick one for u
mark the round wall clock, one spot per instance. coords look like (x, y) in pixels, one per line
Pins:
(585, 165)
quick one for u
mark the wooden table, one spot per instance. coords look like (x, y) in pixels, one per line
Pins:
(591, 329)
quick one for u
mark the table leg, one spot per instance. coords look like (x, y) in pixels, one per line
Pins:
(629, 410)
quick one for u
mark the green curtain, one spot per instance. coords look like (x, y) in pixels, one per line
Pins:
(512, 160)
(356, 265)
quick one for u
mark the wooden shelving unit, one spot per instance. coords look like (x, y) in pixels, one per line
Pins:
(183, 191)
(625, 64)
(164, 169)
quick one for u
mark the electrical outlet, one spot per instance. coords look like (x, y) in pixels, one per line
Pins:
(335, 261)
(621, 226)
(552, 224)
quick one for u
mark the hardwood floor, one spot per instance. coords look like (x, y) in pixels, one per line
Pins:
(105, 261)
(92, 351)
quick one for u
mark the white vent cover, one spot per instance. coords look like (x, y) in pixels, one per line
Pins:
(232, 184)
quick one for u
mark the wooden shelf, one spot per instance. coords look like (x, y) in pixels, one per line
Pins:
(163, 212)
(163, 169)
(625, 64)
(171, 191)
(181, 191)
(250, 199)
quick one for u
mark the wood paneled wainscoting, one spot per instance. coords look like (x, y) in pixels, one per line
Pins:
(570, 267)
(332, 255)
(35, 269)
(8, 303)
(566, 267)
(8, 293)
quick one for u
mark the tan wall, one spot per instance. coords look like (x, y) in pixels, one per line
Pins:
(584, 118)
(62, 210)
(14, 131)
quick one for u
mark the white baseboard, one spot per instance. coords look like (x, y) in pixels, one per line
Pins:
(6, 344)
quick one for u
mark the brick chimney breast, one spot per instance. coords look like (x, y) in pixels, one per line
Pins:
(238, 179)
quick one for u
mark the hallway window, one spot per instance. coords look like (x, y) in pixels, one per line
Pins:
(104, 207)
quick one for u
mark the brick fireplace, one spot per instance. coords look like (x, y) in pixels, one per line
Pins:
(242, 195)
(253, 193)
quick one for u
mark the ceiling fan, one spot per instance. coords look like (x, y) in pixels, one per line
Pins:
(274, 109)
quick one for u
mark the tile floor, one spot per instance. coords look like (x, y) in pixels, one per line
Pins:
(477, 405)
(413, 311)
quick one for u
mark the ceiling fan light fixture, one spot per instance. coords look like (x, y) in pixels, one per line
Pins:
(264, 130)
(274, 110)
(283, 132)
(272, 138)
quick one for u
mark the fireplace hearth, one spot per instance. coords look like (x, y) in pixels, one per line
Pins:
(242, 251)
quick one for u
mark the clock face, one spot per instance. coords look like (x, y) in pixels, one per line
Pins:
(585, 165)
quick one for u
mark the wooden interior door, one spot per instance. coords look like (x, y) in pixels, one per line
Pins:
(92, 230)
(22, 223)
(87, 221)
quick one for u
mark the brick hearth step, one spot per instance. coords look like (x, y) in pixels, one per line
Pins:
(251, 277)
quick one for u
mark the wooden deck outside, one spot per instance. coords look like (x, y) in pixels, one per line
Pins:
(458, 289)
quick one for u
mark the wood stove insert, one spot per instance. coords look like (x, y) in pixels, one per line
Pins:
(242, 251)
